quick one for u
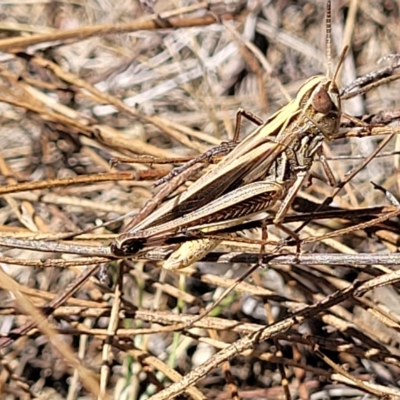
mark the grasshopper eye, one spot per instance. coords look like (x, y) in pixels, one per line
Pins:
(321, 101)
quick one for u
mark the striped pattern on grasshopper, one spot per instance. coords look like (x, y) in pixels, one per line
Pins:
(270, 164)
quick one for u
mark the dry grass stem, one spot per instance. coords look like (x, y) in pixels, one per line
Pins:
(99, 101)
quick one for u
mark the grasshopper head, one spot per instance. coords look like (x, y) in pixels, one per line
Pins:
(320, 104)
(325, 107)
(323, 103)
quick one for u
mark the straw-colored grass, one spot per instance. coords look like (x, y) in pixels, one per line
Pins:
(86, 82)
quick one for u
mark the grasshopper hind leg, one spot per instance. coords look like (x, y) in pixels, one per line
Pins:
(223, 149)
(207, 158)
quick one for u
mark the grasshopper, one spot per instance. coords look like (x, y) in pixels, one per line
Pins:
(269, 165)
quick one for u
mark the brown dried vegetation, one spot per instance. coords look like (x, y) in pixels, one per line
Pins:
(86, 82)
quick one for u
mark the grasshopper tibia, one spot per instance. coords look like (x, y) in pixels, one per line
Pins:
(224, 148)
(240, 113)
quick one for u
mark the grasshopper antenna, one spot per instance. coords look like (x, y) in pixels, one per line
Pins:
(328, 39)
(343, 53)
(340, 63)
